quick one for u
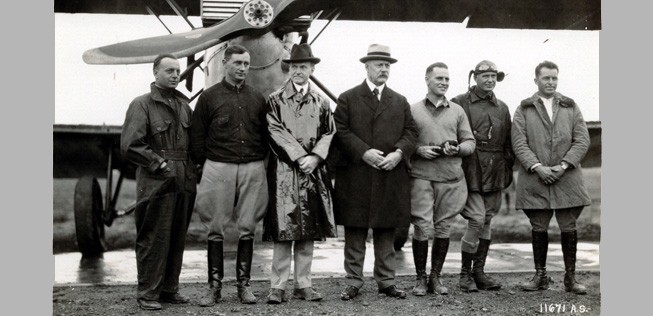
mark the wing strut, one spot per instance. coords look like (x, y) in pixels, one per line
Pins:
(334, 17)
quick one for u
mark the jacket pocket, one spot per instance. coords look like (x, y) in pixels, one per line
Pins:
(159, 129)
(222, 120)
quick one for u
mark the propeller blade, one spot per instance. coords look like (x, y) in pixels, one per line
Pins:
(256, 15)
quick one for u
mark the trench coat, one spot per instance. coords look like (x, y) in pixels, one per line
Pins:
(366, 197)
(489, 167)
(536, 139)
(300, 205)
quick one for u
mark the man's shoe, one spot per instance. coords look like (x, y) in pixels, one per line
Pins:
(211, 296)
(173, 298)
(245, 295)
(392, 291)
(276, 296)
(308, 294)
(148, 304)
(349, 293)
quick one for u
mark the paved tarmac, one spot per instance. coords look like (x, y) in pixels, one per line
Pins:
(119, 267)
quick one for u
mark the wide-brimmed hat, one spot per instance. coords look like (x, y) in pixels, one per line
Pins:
(301, 53)
(378, 52)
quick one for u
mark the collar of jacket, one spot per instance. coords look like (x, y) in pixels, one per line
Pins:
(428, 101)
(232, 87)
(558, 98)
(289, 90)
(155, 94)
(473, 96)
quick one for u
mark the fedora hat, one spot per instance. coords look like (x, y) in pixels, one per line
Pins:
(378, 52)
(301, 53)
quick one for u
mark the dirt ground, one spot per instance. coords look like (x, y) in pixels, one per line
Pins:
(120, 300)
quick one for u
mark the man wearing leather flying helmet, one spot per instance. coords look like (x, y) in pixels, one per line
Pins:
(487, 171)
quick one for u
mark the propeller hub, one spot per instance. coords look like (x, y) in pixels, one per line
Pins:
(258, 13)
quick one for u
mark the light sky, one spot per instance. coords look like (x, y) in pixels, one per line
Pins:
(100, 94)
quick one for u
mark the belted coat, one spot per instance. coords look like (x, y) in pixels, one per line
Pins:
(364, 196)
(538, 139)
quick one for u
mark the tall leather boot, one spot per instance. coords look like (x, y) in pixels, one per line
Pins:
(466, 282)
(438, 254)
(420, 254)
(540, 281)
(216, 273)
(243, 269)
(483, 281)
(569, 240)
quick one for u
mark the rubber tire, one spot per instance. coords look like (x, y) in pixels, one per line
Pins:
(401, 236)
(89, 227)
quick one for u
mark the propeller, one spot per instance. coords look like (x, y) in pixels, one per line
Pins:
(258, 16)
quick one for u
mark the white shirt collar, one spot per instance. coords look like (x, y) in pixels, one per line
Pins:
(372, 86)
(298, 87)
(548, 105)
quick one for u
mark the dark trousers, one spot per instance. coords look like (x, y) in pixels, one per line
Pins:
(161, 226)
(566, 218)
(384, 255)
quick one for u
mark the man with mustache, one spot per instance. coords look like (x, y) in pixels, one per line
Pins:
(487, 171)
(229, 140)
(550, 138)
(438, 187)
(375, 136)
(300, 209)
(156, 138)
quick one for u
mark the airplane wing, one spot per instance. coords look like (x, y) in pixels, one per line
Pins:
(516, 14)
(256, 15)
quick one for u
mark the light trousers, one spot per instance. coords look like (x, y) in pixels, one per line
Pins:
(434, 206)
(232, 191)
(302, 252)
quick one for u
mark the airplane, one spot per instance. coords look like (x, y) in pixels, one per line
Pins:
(268, 28)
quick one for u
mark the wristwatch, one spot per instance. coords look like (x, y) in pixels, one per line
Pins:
(564, 165)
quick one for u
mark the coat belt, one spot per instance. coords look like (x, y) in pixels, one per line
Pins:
(173, 154)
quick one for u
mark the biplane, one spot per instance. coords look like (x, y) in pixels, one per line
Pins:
(268, 28)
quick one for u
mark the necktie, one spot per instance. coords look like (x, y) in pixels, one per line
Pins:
(375, 92)
(301, 90)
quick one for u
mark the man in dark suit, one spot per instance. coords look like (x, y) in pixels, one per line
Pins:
(375, 136)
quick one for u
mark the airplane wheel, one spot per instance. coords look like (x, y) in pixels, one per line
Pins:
(401, 235)
(89, 226)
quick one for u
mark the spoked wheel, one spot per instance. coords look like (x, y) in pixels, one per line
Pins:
(401, 235)
(89, 226)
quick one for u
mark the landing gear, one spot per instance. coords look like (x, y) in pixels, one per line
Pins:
(89, 225)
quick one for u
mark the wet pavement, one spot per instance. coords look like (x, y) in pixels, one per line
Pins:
(119, 267)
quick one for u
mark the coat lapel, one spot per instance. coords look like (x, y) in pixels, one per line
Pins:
(386, 100)
(539, 107)
(367, 97)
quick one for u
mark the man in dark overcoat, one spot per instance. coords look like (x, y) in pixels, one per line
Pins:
(375, 136)
(156, 138)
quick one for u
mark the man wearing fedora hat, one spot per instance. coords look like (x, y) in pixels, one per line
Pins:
(300, 208)
(487, 171)
(375, 135)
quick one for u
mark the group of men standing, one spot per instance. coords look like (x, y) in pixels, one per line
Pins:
(394, 163)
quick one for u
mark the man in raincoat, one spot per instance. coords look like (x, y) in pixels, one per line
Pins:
(550, 138)
(300, 209)
(155, 137)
